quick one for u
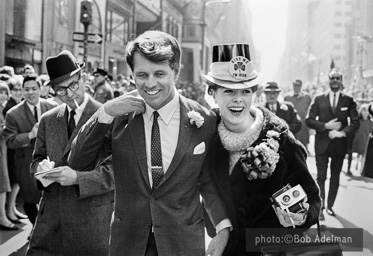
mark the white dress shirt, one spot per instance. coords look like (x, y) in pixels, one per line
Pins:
(331, 98)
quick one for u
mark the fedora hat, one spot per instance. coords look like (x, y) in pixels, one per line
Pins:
(232, 67)
(61, 67)
(100, 71)
(272, 87)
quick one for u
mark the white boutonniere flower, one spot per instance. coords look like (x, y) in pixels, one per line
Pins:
(284, 107)
(195, 118)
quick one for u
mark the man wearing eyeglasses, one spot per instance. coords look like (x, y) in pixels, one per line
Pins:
(76, 207)
(328, 115)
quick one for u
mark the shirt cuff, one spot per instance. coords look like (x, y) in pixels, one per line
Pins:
(226, 223)
(103, 117)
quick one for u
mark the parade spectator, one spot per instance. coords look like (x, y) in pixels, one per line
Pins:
(22, 123)
(361, 138)
(157, 156)
(7, 70)
(28, 70)
(241, 128)
(284, 109)
(259, 98)
(16, 96)
(301, 101)
(76, 208)
(5, 222)
(367, 169)
(44, 89)
(103, 91)
(334, 117)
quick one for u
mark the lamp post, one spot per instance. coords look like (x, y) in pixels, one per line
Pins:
(205, 4)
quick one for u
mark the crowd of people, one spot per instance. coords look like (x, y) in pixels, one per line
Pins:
(118, 167)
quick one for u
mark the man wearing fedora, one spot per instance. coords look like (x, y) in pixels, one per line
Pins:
(284, 109)
(334, 116)
(76, 206)
(158, 144)
(21, 127)
(103, 90)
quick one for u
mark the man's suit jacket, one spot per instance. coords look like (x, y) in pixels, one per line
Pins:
(72, 220)
(173, 208)
(286, 111)
(19, 121)
(321, 112)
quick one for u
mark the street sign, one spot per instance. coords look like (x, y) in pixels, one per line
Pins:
(92, 38)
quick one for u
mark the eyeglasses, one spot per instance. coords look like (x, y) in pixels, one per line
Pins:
(63, 90)
(335, 78)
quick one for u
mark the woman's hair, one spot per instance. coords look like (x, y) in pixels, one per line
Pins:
(213, 87)
(156, 46)
(4, 87)
(362, 107)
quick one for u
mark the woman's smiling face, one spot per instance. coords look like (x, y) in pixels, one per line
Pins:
(234, 106)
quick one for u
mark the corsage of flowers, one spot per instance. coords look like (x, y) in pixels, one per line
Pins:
(195, 118)
(260, 161)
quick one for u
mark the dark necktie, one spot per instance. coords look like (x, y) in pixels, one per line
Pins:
(334, 98)
(71, 125)
(36, 114)
(156, 153)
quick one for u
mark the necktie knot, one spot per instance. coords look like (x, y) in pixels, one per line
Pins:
(156, 115)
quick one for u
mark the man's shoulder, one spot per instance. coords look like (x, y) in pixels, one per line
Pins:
(49, 104)
(17, 109)
(192, 104)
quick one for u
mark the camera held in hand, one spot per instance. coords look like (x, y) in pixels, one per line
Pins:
(290, 199)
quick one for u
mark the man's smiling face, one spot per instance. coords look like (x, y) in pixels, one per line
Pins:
(155, 81)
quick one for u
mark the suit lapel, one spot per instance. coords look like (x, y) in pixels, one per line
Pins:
(185, 134)
(136, 127)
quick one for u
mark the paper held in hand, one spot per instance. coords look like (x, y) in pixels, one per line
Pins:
(40, 177)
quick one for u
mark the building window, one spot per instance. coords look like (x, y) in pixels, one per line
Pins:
(337, 36)
(117, 28)
(189, 31)
(338, 2)
(347, 2)
(337, 57)
(347, 14)
(33, 20)
(338, 13)
(338, 24)
(337, 47)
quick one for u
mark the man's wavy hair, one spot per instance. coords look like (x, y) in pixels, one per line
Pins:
(156, 46)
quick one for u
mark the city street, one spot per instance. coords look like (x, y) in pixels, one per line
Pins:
(353, 210)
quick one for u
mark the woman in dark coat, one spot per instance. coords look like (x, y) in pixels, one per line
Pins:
(368, 164)
(253, 154)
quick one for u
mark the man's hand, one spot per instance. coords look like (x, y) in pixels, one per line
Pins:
(124, 104)
(34, 131)
(218, 243)
(63, 175)
(45, 165)
(336, 134)
(333, 124)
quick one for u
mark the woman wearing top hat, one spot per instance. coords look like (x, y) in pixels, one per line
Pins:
(253, 153)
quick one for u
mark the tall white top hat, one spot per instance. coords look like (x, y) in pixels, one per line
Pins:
(232, 67)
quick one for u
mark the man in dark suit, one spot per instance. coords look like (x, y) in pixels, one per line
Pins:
(334, 117)
(284, 110)
(22, 122)
(158, 144)
(76, 207)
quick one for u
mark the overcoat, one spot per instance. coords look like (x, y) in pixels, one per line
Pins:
(173, 209)
(248, 201)
(19, 122)
(286, 111)
(72, 220)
